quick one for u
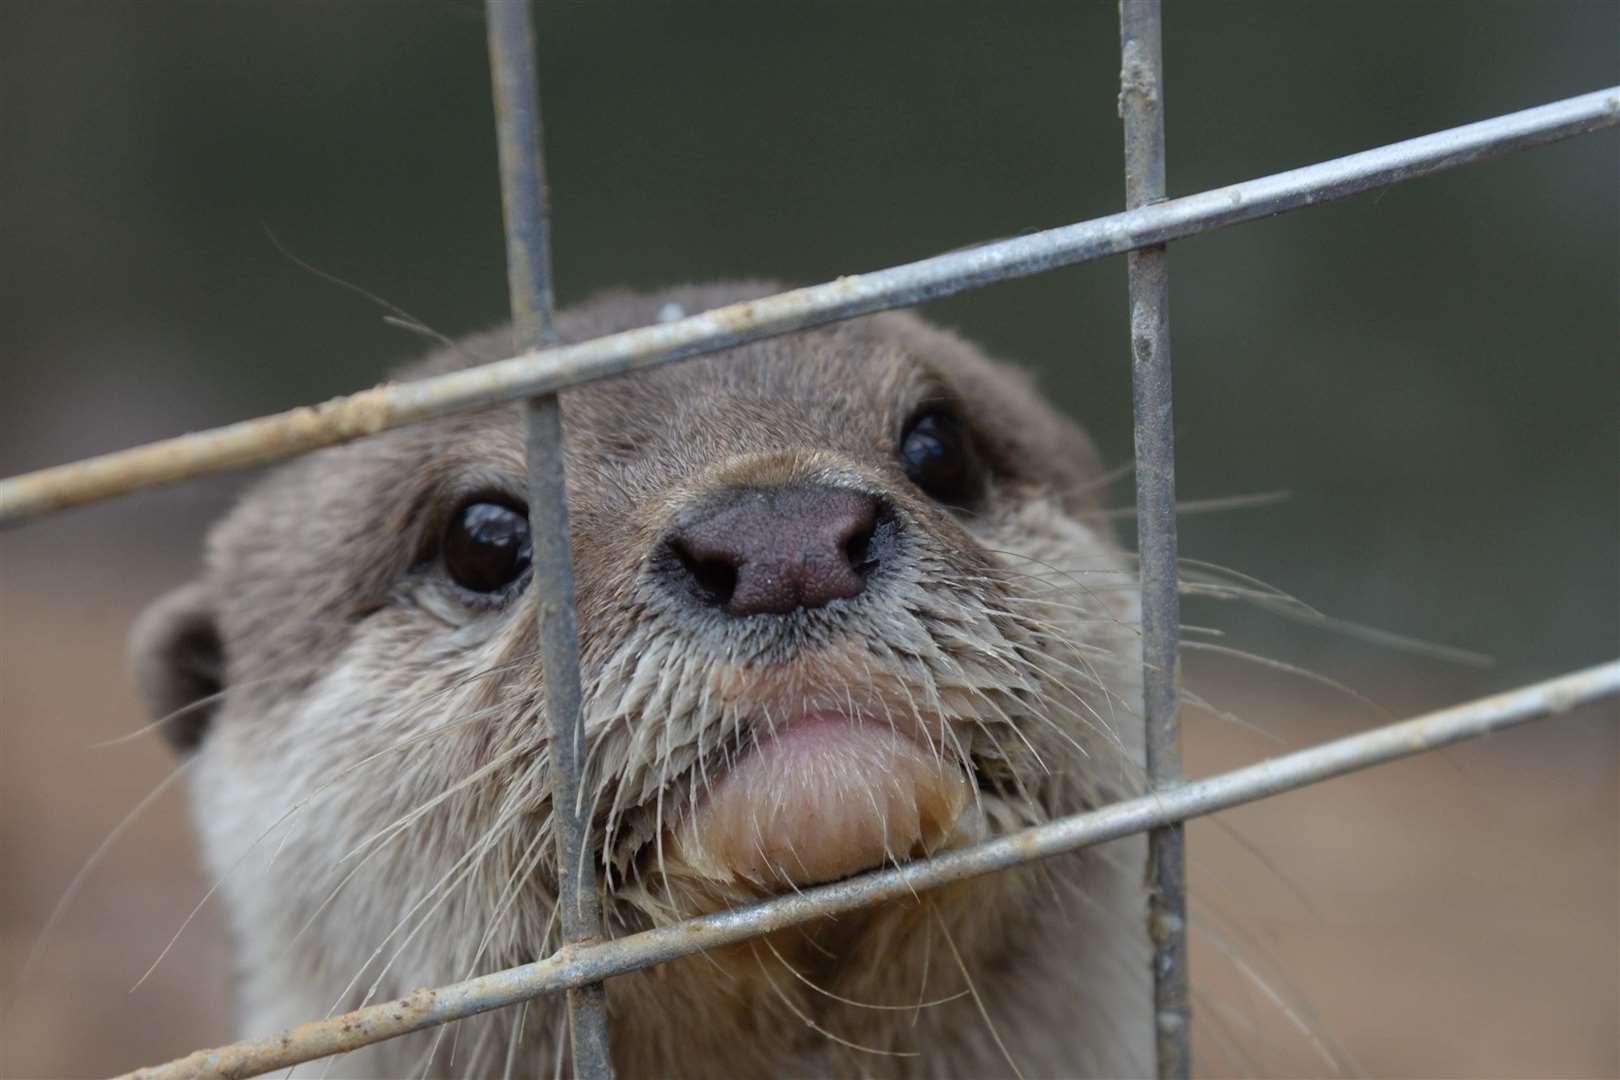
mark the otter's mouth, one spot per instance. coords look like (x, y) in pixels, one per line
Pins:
(824, 795)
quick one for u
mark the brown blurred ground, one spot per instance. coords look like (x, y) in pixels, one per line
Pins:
(1455, 916)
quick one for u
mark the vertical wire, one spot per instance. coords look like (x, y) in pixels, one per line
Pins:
(528, 270)
(1141, 106)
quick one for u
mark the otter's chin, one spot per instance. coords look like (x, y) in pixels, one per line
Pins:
(821, 797)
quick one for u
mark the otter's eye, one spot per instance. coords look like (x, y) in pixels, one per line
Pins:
(486, 547)
(937, 454)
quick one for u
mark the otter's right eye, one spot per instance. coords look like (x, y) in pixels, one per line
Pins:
(487, 547)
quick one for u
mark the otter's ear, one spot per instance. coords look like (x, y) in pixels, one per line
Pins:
(180, 664)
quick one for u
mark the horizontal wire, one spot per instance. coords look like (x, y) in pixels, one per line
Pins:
(581, 965)
(282, 435)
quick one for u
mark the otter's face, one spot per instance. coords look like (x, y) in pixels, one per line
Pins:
(844, 600)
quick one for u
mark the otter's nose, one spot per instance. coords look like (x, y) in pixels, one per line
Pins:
(771, 552)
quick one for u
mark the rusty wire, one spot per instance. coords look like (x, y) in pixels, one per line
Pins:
(282, 435)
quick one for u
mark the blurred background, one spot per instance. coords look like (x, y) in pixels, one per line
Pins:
(1429, 372)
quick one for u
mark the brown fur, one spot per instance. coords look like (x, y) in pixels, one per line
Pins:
(377, 738)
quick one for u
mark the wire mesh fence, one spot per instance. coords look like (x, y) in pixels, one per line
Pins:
(1143, 229)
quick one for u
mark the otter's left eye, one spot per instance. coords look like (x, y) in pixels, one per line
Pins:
(937, 453)
(486, 547)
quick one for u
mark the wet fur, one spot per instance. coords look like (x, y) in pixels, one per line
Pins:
(371, 787)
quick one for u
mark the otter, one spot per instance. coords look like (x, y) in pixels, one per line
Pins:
(846, 598)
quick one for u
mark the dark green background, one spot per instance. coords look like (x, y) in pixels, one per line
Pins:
(1430, 370)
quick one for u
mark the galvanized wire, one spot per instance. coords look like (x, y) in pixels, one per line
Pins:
(581, 965)
(585, 960)
(516, 86)
(271, 438)
(1141, 108)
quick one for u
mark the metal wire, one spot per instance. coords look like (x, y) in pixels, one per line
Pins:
(1141, 108)
(582, 965)
(528, 266)
(271, 438)
(1148, 223)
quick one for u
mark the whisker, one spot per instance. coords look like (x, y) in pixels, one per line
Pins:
(824, 992)
(812, 1025)
(922, 986)
(1250, 501)
(1291, 669)
(185, 710)
(452, 878)
(508, 1071)
(397, 316)
(59, 909)
(1331, 1053)
(406, 820)
(973, 990)
(1197, 701)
